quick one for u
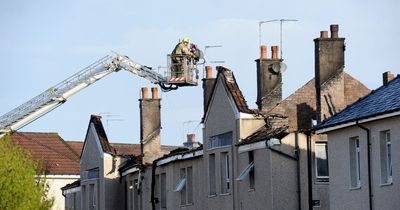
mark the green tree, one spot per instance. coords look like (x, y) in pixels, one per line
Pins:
(19, 187)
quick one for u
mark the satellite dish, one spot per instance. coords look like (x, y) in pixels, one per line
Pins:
(279, 67)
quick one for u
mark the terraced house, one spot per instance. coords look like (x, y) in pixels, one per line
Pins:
(266, 157)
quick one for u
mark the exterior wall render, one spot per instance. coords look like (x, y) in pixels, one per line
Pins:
(342, 196)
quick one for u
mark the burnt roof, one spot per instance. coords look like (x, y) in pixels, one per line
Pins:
(233, 88)
(54, 155)
(265, 133)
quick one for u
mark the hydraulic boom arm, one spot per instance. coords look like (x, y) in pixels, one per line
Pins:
(58, 94)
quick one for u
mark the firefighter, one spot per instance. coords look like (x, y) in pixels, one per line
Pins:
(178, 55)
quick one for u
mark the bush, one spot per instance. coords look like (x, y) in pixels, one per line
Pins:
(19, 186)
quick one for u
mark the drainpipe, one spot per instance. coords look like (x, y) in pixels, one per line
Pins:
(153, 183)
(309, 174)
(297, 155)
(369, 162)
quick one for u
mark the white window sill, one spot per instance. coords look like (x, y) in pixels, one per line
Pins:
(355, 188)
(386, 184)
(213, 195)
(224, 194)
(188, 204)
(251, 190)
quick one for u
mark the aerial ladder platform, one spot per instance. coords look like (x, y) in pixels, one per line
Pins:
(58, 94)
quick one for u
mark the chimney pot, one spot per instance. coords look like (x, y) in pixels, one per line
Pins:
(191, 138)
(154, 93)
(144, 93)
(324, 34)
(274, 50)
(334, 31)
(387, 76)
(263, 54)
(208, 72)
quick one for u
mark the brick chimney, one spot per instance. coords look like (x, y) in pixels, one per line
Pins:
(387, 76)
(208, 85)
(329, 60)
(191, 141)
(150, 126)
(269, 83)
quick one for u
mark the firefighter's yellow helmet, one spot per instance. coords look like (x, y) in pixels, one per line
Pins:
(185, 39)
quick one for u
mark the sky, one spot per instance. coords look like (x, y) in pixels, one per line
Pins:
(43, 42)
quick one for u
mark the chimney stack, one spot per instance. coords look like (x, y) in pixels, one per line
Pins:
(191, 141)
(269, 82)
(150, 126)
(208, 85)
(387, 76)
(329, 60)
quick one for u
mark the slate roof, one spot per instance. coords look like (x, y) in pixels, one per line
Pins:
(54, 155)
(265, 133)
(234, 89)
(383, 100)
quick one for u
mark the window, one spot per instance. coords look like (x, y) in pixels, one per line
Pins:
(321, 161)
(220, 140)
(130, 194)
(92, 197)
(84, 197)
(189, 188)
(135, 194)
(157, 191)
(185, 185)
(386, 157)
(160, 191)
(248, 170)
(163, 190)
(211, 173)
(93, 173)
(225, 182)
(355, 175)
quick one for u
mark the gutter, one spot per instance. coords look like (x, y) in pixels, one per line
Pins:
(370, 197)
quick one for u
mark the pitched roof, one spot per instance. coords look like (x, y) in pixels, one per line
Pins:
(234, 89)
(383, 100)
(265, 133)
(101, 133)
(55, 156)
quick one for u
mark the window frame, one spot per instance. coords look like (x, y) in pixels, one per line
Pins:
(318, 177)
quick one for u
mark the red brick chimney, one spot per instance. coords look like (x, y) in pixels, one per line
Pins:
(269, 83)
(387, 76)
(150, 126)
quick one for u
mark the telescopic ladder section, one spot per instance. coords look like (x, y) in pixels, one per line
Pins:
(58, 94)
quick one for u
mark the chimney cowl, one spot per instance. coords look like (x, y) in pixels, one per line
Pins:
(144, 92)
(324, 35)
(154, 93)
(208, 72)
(275, 50)
(334, 31)
(263, 52)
